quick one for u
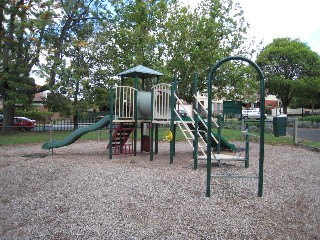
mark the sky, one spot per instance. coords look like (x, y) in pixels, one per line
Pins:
(271, 19)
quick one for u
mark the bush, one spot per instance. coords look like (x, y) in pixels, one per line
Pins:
(34, 114)
(312, 118)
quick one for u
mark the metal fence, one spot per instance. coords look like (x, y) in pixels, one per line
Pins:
(62, 124)
(298, 130)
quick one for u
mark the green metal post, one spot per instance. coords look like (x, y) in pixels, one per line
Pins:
(262, 123)
(151, 141)
(151, 137)
(157, 130)
(209, 137)
(196, 124)
(135, 117)
(172, 107)
(219, 133)
(111, 122)
(246, 163)
(262, 110)
(156, 139)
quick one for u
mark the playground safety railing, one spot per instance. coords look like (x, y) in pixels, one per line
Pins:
(202, 108)
(124, 105)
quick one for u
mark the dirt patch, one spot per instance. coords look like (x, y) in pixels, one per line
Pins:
(79, 193)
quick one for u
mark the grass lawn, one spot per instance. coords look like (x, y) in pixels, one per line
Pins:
(229, 134)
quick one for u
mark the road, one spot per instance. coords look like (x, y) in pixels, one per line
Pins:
(311, 134)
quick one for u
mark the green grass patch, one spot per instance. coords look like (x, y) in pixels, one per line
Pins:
(311, 144)
(42, 137)
(229, 134)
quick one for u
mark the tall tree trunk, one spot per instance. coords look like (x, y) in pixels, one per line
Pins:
(312, 106)
(75, 120)
(8, 119)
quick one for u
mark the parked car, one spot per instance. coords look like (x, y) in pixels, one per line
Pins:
(22, 123)
(251, 114)
(182, 113)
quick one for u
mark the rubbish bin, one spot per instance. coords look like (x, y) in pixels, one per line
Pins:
(280, 125)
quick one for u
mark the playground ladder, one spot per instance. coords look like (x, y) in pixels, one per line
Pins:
(187, 132)
(120, 140)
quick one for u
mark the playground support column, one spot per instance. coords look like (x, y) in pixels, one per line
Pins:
(151, 135)
(172, 128)
(196, 124)
(156, 149)
(262, 111)
(246, 163)
(151, 140)
(135, 117)
(219, 133)
(111, 122)
(156, 139)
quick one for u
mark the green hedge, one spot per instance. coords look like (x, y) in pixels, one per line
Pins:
(314, 118)
(33, 114)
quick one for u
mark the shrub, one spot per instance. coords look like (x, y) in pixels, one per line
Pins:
(34, 114)
(312, 118)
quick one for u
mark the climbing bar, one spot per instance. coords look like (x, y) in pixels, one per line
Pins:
(205, 110)
(234, 176)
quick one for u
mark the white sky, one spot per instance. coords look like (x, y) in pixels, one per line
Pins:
(271, 19)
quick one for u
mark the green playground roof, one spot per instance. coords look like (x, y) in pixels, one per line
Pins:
(140, 72)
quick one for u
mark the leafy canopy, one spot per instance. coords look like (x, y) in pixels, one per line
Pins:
(284, 61)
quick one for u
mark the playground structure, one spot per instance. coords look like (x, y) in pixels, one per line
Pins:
(155, 105)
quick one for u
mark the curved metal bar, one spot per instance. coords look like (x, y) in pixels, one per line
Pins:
(262, 110)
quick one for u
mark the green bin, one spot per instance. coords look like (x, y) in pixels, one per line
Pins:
(280, 125)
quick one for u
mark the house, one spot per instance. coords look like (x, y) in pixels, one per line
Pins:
(39, 99)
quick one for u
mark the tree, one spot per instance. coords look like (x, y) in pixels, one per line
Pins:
(34, 28)
(307, 90)
(172, 38)
(199, 38)
(22, 34)
(284, 61)
(135, 35)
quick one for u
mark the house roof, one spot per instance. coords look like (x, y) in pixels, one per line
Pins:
(38, 97)
(140, 72)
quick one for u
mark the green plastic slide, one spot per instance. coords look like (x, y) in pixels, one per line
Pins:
(75, 135)
(225, 145)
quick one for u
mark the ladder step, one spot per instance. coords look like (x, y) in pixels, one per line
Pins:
(224, 157)
(233, 176)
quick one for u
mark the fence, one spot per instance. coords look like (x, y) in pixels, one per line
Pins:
(62, 124)
(298, 131)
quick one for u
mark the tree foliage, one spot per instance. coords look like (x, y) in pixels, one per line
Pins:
(306, 92)
(284, 62)
(23, 27)
(83, 45)
(30, 29)
(172, 38)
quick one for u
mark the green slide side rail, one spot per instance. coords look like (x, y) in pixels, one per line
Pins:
(224, 143)
(75, 135)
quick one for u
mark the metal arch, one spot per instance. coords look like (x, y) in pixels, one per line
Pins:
(262, 110)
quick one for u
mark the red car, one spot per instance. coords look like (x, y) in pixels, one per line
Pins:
(23, 123)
